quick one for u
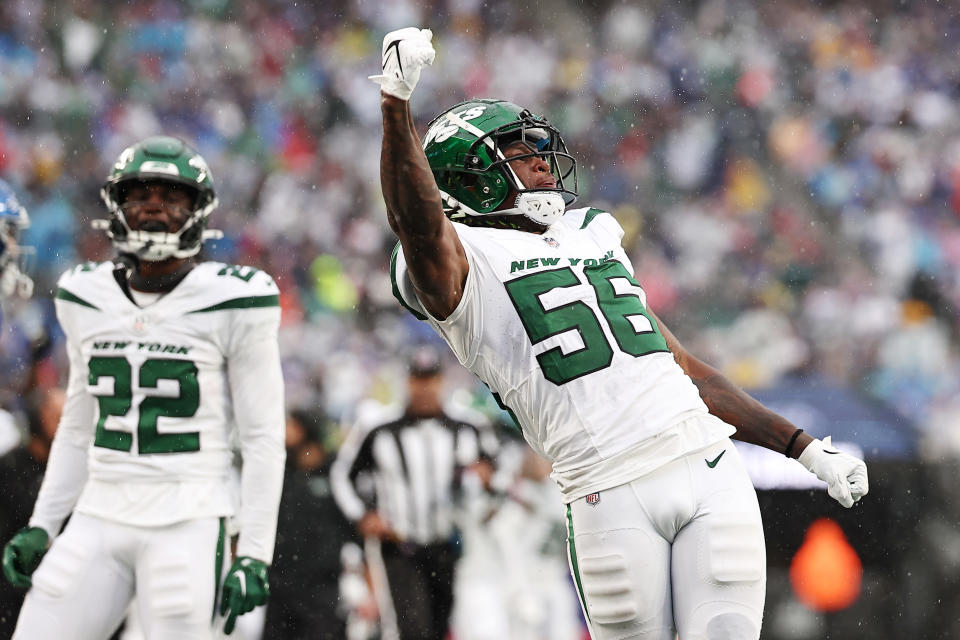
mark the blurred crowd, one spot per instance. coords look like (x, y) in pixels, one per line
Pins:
(788, 173)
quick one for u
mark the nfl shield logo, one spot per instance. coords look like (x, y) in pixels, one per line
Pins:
(593, 499)
(551, 242)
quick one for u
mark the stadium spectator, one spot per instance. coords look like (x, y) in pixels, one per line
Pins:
(805, 131)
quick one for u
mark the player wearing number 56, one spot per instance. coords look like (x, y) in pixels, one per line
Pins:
(169, 355)
(540, 300)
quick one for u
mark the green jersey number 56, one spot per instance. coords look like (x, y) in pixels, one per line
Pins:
(631, 325)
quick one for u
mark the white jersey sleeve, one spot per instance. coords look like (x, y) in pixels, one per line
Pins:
(256, 387)
(465, 342)
(66, 471)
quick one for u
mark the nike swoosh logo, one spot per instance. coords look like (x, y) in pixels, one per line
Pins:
(830, 452)
(395, 45)
(242, 579)
(713, 463)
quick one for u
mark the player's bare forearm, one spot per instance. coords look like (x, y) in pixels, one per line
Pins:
(754, 422)
(414, 209)
(436, 260)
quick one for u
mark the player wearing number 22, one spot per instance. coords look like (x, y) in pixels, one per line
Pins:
(541, 302)
(166, 354)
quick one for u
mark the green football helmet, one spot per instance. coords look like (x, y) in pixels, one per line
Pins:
(464, 146)
(159, 158)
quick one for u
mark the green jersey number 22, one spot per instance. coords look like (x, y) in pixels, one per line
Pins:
(632, 327)
(151, 408)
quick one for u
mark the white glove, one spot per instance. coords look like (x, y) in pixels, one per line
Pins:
(405, 53)
(846, 476)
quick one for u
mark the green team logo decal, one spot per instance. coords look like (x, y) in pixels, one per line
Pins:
(451, 124)
(631, 325)
(151, 408)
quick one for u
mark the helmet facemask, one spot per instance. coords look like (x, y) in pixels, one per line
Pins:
(156, 245)
(543, 205)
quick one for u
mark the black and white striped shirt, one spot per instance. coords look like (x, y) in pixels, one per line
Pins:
(415, 465)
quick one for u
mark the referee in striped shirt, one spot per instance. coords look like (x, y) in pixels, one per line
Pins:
(415, 463)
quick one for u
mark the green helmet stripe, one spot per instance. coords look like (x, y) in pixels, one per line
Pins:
(463, 124)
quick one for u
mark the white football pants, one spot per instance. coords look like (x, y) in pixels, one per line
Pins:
(678, 550)
(86, 580)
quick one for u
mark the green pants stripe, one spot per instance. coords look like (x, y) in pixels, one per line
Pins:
(218, 566)
(572, 547)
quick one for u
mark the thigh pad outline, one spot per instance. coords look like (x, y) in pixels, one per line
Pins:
(735, 548)
(171, 593)
(607, 589)
(59, 573)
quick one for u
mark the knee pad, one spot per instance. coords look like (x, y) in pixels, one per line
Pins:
(60, 571)
(732, 626)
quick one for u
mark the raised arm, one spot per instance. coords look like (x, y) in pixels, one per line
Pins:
(846, 476)
(435, 258)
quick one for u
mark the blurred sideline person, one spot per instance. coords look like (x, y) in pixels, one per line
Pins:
(171, 358)
(311, 531)
(509, 585)
(13, 282)
(13, 220)
(416, 463)
(21, 471)
(541, 302)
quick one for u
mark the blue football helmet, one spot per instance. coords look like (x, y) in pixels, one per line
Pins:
(13, 219)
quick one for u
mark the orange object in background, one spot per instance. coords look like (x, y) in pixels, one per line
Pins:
(826, 571)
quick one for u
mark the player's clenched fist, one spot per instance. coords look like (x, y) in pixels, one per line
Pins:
(405, 53)
(22, 555)
(846, 476)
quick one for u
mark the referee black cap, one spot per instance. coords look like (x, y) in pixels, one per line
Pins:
(424, 361)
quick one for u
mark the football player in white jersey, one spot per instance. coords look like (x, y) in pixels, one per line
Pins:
(169, 356)
(540, 301)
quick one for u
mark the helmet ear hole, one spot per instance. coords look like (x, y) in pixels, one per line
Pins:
(117, 230)
(191, 236)
(194, 197)
(120, 193)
